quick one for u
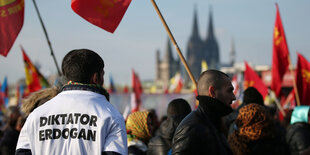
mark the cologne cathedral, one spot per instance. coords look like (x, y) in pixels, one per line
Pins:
(197, 50)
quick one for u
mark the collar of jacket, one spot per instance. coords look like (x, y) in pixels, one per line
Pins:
(94, 88)
(214, 108)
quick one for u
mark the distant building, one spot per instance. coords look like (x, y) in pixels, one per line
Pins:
(198, 49)
(166, 67)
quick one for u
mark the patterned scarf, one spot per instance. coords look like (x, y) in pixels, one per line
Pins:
(89, 87)
(253, 124)
(137, 127)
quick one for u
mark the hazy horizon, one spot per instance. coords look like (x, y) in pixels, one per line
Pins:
(141, 33)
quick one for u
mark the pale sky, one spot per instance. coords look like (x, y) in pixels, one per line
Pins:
(141, 33)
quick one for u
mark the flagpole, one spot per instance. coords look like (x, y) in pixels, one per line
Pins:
(47, 38)
(294, 81)
(273, 95)
(175, 44)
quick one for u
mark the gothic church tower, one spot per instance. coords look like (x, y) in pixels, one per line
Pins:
(198, 49)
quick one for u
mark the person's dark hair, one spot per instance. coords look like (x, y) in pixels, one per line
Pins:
(178, 107)
(309, 116)
(252, 95)
(210, 78)
(80, 64)
(13, 114)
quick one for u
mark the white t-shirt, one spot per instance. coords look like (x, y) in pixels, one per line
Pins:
(74, 122)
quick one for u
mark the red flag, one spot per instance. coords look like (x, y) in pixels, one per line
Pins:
(11, 22)
(137, 91)
(125, 90)
(303, 80)
(280, 55)
(251, 79)
(237, 89)
(289, 101)
(106, 14)
(34, 79)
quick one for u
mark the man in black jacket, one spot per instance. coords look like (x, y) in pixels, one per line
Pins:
(200, 131)
(298, 134)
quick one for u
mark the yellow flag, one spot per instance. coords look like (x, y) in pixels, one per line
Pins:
(204, 65)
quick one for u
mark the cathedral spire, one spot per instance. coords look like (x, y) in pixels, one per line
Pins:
(195, 31)
(210, 27)
(168, 55)
(232, 53)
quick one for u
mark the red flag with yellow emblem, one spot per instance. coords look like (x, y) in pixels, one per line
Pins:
(303, 80)
(251, 79)
(106, 14)
(280, 55)
(11, 22)
(34, 79)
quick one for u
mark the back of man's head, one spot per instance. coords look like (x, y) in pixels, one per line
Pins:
(79, 65)
(252, 95)
(210, 78)
(178, 107)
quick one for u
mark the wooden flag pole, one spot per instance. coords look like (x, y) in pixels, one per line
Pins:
(273, 95)
(47, 38)
(175, 44)
(294, 81)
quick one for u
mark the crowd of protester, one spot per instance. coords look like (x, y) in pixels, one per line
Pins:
(213, 128)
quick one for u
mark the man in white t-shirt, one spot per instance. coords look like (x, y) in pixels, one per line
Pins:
(80, 119)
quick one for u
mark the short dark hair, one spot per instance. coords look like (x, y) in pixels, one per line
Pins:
(79, 65)
(252, 95)
(210, 78)
(178, 107)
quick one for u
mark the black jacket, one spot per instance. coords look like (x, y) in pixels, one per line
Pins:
(161, 144)
(8, 141)
(298, 137)
(199, 132)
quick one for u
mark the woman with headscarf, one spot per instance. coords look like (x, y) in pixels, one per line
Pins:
(255, 133)
(298, 134)
(139, 132)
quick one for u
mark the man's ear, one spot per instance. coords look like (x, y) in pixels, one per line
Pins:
(94, 78)
(211, 91)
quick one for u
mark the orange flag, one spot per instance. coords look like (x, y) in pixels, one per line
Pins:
(251, 79)
(106, 14)
(11, 22)
(34, 79)
(303, 80)
(280, 55)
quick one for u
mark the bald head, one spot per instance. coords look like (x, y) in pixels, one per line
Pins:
(209, 78)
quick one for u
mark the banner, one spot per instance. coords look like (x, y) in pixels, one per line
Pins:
(280, 55)
(106, 14)
(11, 22)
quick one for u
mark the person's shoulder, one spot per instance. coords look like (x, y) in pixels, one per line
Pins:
(191, 121)
(156, 141)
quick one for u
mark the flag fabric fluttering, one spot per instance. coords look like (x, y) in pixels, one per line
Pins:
(136, 92)
(4, 93)
(106, 14)
(11, 22)
(176, 83)
(204, 66)
(289, 101)
(125, 89)
(112, 87)
(280, 55)
(303, 79)
(19, 94)
(235, 83)
(251, 79)
(1, 100)
(34, 79)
